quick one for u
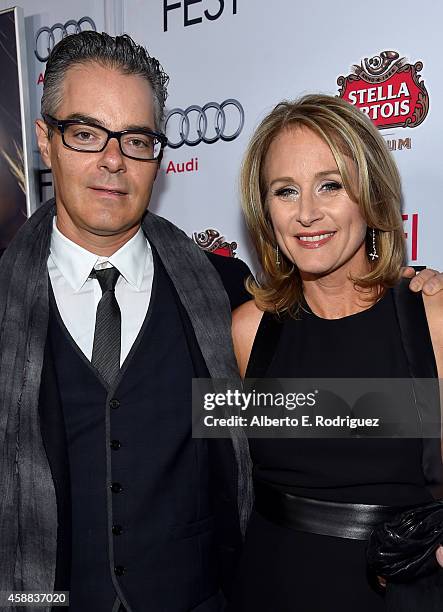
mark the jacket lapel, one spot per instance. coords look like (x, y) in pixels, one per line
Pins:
(54, 440)
(200, 291)
(204, 299)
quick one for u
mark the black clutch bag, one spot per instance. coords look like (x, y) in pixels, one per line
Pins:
(403, 552)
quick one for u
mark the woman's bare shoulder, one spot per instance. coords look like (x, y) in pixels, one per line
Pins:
(245, 321)
(247, 314)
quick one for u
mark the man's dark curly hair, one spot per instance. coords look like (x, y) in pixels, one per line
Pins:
(119, 52)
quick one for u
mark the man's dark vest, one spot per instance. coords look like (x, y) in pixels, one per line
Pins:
(142, 523)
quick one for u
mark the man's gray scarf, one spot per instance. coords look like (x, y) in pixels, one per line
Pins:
(28, 512)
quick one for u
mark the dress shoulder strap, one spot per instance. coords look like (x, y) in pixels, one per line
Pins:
(265, 345)
(417, 344)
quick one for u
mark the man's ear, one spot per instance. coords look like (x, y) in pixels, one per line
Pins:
(43, 141)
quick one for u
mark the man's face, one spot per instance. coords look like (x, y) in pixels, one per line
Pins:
(100, 194)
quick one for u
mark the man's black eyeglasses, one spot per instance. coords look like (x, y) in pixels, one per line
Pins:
(79, 135)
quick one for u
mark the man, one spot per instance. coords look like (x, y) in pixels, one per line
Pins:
(126, 322)
(106, 494)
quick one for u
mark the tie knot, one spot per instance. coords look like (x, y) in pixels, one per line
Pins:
(107, 278)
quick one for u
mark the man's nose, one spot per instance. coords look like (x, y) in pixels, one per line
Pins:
(111, 157)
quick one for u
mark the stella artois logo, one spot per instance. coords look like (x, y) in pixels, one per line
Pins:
(388, 89)
(212, 241)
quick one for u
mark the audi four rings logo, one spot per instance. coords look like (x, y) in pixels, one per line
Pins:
(196, 125)
(45, 37)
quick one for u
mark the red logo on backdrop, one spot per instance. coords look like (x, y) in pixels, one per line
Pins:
(411, 221)
(212, 241)
(388, 89)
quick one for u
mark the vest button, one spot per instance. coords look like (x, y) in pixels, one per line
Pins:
(119, 570)
(115, 444)
(117, 530)
(114, 403)
(116, 487)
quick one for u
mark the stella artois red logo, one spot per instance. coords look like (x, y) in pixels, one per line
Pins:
(212, 241)
(388, 89)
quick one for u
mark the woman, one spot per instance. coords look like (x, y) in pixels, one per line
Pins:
(321, 195)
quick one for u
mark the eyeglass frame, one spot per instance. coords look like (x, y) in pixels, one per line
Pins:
(60, 124)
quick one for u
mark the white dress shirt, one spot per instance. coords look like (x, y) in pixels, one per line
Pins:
(77, 295)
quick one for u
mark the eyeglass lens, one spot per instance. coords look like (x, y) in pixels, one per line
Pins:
(90, 138)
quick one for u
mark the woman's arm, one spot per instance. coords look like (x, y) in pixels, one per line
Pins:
(434, 313)
(245, 321)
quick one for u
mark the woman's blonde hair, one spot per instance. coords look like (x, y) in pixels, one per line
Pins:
(349, 133)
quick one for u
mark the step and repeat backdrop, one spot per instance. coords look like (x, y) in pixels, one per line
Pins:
(231, 61)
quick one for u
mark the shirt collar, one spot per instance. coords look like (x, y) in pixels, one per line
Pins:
(75, 263)
(130, 259)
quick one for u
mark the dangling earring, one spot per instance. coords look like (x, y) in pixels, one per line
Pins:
(373, 255)
(277, 257)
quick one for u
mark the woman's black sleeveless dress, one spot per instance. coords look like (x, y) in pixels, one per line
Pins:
(284, 570)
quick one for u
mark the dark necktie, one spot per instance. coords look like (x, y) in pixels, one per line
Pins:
(107, 334)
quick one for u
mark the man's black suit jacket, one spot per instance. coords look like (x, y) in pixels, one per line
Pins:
(233, 273)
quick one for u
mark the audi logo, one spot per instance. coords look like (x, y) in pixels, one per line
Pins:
(45, 38)
(196, 124)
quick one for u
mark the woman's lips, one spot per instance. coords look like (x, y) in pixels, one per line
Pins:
(314, 241)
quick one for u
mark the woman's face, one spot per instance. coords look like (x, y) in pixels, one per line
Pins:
(317, 225)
